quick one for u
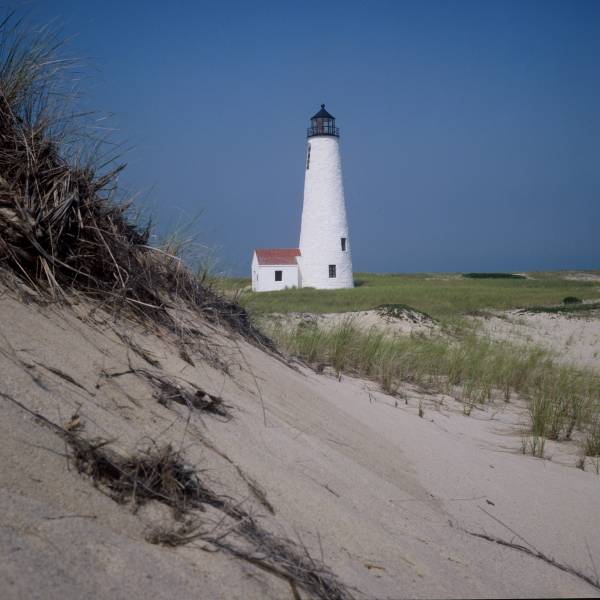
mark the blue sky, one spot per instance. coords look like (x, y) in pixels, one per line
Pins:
(470, 130)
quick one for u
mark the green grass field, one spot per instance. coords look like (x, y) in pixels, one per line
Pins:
(437, 294)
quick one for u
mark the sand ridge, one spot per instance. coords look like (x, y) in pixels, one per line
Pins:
(406, 323)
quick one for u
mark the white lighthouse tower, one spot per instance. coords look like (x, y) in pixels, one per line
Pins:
(325, 259)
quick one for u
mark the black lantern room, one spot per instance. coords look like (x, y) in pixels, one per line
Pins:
(322, 124)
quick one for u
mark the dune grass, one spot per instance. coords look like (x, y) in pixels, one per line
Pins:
(440, 295)
(471, 368)
(65, 225)
(461, 363)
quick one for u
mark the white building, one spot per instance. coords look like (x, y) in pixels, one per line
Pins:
(274, 269)
(323, 259)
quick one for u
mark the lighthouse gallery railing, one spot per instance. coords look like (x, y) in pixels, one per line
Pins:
(323, 130)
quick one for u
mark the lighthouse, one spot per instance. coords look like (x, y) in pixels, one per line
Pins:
(325, 251)
(324, 258)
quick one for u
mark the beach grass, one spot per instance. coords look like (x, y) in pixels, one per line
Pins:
(441, 295)
(469, 367)
(458, 361)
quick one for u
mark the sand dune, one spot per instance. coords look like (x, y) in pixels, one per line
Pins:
(388, 500)
(409, 321)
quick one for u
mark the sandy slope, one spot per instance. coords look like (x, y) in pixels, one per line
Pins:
(385, 496)
(574, 338)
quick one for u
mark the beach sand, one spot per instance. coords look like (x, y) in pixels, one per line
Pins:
(389, 501)
(572, 338)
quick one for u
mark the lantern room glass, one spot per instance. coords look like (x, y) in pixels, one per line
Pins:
(323, 124)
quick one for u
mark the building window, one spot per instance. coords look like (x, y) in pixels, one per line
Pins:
(308, 158)
(278, 275)
(343, 244)
(331, 271)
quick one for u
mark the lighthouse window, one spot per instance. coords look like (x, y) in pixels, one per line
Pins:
(331, 271)
(308, 158)
(278, 275)
(343, 244)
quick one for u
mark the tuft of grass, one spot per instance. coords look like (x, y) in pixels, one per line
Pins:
(572, 300)
(592, 442)
(403, 311)
(559, 397)
(534, 445)
(160, 474)
(168, 392)
(156, 474)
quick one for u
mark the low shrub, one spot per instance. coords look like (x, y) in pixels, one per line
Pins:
(493, 276)
(403, 311)
(563, 308)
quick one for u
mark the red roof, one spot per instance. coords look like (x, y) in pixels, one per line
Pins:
(277, 256)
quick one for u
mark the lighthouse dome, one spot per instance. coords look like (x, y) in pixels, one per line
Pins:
(322, 123)
(322, 114)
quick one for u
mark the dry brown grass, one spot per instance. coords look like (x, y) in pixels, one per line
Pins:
(161, 474)
(157, 473)
(169, 391)
(64, 224)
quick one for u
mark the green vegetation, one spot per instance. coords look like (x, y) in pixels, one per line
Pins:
(230, 284)
(565, 308)
(468, 367)
(440, 295)
(592, 442)
(572, 300)
(493, 276)
(402, 311)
